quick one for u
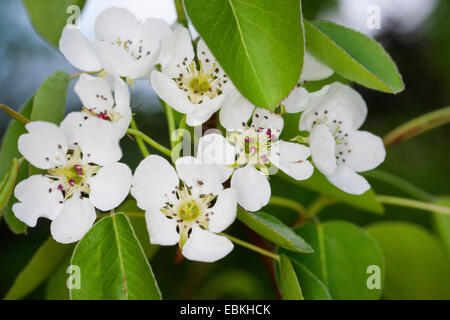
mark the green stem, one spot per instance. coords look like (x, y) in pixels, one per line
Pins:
(291, 204)
(15, 115)
(150, 141)
(128, 214)
(402, 202)
(319, 204)
(170, 121)
(76, 75)
(252, 247)
(139, 140)
(181, 16)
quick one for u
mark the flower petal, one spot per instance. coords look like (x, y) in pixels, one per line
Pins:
(364, 151)
(153, 179)
(263, 118)
(38, 196)
(235, 111)
(77, 49)
(168, 91)
(162, 230)
(206, 246)
(214, 149)
(176, 52)
(96, 138)
(313, 69)
(44, 146)
(347, 180)
(110, 186)
(151, 35)
(122, 98)
(114, 24)
(252, 188)
(207, 60)
(224, 211)
(336, 102)
(95, 93)
(117, 61)
(76, 218)
(297, 100)
(292, 160)
(323, 149)
(202, 112)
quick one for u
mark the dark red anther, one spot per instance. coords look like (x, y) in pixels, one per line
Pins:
(71, 182)
(60, 187)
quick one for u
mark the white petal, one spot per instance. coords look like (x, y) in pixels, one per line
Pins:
(263, 118)
(117, 61)
(76, 218)
(162, 230)
(252, 188)
(114, 24)
(153, 179)
(176, 49)
(122, 99)
(44, 146)
(347, 180)
(206, 246)
(292, 160)
(323, 149)
(152, 33)
(110, 186)
(336, 102)
(96, 138)
(168, 91)
(202, 112)
(77, 49)
(94, 93)
(203, 177)
(235, 111)
(214, 149)
(224, 211)
(38, 196)
(364, 151)
(297, 100)
(314, 70)
(207, 60)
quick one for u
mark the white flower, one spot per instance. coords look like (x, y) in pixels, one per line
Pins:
(256, 152)
(123, 45)
(95, 94)
(236, 109)
(195, 91)
(189, 213)
(81, 174)
(338, 149)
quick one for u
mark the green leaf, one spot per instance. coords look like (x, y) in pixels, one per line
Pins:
(342, 254)
(259, 43)
(417, 266)
(56, 288)
(312, 287)
(8, 183)
(41, 266)
(442, 223)
(50, 16)
(289, 285)
(353, 55)
(274, 230)
(320, 184)
(113, 264)
(50, 100)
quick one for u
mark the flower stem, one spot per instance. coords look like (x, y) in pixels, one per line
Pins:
(252, 247)
(170, 120)
(150, 141)
(319, 204)
(402, 202)
(139, 140)
(291, 204)
(128, 214)
(76, 75)
(181, 16)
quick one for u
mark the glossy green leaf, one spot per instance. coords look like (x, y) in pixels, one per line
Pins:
(442, 223)
(342, 255)
(320, 184)
(259, 43)
(417, 266)
(50, 99)
(56, 288)
(353, 55)
(41, 266)
(273, 230)
(112, 263)
(8, 183)
(289, 285)
(50, 16)
(312, 287)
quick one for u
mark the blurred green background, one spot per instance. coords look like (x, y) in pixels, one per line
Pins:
(422, 53)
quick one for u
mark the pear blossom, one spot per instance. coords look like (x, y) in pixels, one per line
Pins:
(254, 152)
(195, 91)
(123, 45)
(338, 149)
(188, 206)
(236, 109)
(95, 94)
(81, 173)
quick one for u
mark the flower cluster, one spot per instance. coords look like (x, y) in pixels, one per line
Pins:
(191, 203)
